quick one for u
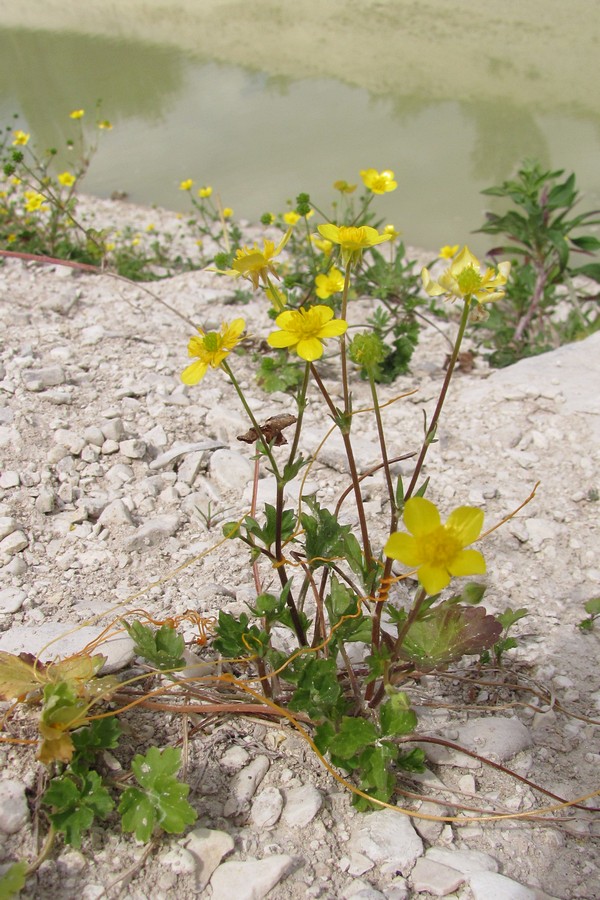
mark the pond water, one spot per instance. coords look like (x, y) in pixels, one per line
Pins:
(265, 99)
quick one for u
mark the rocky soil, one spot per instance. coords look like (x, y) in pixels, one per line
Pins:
(112, 475)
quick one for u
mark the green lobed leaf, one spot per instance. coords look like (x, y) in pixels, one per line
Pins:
(75, 802)
(162, 799)
(396, 717)
(353, 736)
(101, 734)
(162, 647)
(13, 880)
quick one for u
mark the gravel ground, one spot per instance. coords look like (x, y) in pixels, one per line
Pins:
(98, 515)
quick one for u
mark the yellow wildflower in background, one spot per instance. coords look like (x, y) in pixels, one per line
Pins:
(211, 348)
(436, 550)
(463, 278)
(186, 185)
(257, 265)
(105, 125)
(66, 179)
(205, 192)
(324, 246)
(389, 229)
(227, 212)
(77, 114)
(11, 238)
(291, 217)
(344, 188)
(329, 284)
(20, 138)
(379, 182)
(352, 240)
(304, 330)
(34, 201)
(448, 251)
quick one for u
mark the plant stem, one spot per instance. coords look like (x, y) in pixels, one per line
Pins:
(252, 417)
(430, 434)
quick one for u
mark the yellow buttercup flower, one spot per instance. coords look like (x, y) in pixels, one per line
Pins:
(105, 125)
(352, 240)
(329, 284)
(290, 218)
(464, 279)
(66, 179)
(378, 182)
(448, 251)
(305, 329)
(77, 114)
(324, 246)
(211, 348)
(344, 188)
(227, 212)
(34, 201)
(20, 138)
(205, 192)
(186, 185)
(11, 238)
(257, 265)
(389, 229)
(437, 551)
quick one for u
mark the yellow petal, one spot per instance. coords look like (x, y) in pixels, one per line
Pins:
(330, 232)
(279, 339)
(194, 373)
(421, 516)
(467, 562)
(466, 523)
(333, 329)
(402, 547)
(433, 579)
(309, 349)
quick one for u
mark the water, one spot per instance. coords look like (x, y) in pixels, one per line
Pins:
(447, 126)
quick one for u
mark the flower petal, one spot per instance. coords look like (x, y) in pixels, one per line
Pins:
(421, 516)
(466, 523)
(194, 373)
(433, 578)
(467, 562)
(279, 339)
(309, 349)
(330, 231)
(402, 547)
(333, 329)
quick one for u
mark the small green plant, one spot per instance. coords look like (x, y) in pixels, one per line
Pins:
(592, 607)
(540, 233)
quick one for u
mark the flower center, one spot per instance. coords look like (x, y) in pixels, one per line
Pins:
(212, 341)
(351, 237)
(469, 280)
(439, 547)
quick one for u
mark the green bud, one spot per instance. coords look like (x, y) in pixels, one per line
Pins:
(303, 204)
(17, 156)
(368, 351)
(266, 219)
(8, 169)
(222, 261)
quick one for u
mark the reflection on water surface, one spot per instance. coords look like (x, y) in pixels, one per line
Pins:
(261, 138)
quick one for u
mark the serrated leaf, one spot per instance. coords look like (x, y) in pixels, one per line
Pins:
(353, 736)
(162, 799)
(75, 803)
(17, 677)
(510, 616)
(396, 717)
(162, 647)
(138, 814)
(448, 633)
(101, 734)
(13, 880)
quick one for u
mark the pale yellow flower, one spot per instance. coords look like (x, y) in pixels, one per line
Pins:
(290, 218)
(305, 329)
(389, 229)
(324, 246)
(66, 179)
(77, 114)
(186, 185)
(34, 201)
(352, 239)
(205, 192)
(463, 278)
(211, 348)
(378, 182)
(437, 551)
(20, 138)
(344, 188)
(257, 265)
(329, 284)
(227, 212)
(448, 251)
